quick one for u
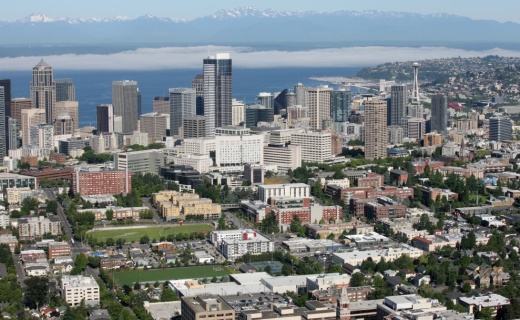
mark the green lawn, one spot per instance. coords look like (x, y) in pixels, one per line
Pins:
(154, 232)
(161, 275)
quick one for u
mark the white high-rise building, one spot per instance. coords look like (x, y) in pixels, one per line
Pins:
(31, 117)
(42, 135)
(315, 146)
(217, 92)
(317, 100)
(237, 150)
(238, 112)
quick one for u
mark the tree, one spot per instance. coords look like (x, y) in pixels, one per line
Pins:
(52, 206)
(110, 242)
(484, 314)
(94, 262)
(144, 239)
(466, 287)
(137, 286)
(357, 280)
(24, 166)
(109, 214)
(168, 295)
(331, 236)
(36, 291)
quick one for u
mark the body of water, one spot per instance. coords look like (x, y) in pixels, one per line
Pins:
(95, 87)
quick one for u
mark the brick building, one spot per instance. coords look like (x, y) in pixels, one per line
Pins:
(399, 176)
(57, 249)
(95, 180)
(373, 180)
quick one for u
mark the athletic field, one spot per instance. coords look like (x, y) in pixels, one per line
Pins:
(161, 275)
(154, 232)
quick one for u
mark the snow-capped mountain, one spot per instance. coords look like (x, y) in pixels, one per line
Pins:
(248, 25)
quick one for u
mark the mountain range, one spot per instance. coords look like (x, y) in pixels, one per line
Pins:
(249, 25)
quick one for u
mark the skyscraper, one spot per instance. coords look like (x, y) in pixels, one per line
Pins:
(139, 104)
(398, 102)
(31, 117)
(63, 125)
(42, 135)
(161, 105)
(126, 104)
(6, 83)
(375, 129)
(67, 108)
(19, 104)
(217, 92)
(13, 128)
(182, 104)
(439, 117)
(2, 122)
(317, 100)
(193, 127)
(258, 113)
(340, 105)
(155, 125)
(65, 90)
(299, 92)
(265, 99)
(197, 84)
(105, 118)
(43, 89)
(500, 129)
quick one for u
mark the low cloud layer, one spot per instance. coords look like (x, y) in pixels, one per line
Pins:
(243, 57)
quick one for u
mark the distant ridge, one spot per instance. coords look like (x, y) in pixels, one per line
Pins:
(248, 25)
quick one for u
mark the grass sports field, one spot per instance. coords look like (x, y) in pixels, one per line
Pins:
(154, 232)
(161, 275)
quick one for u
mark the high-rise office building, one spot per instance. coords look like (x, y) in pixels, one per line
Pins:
(194, 127)
(280, 101)
(317, 100)
(3, 147)
(439, 117)
(416, 128)
(43, 89)
(31, 117)
(197, 84)
(19, 104)
(340, 105)
(65, 90)
(375, 129)
(105, 118)
(258, 113)
(398, 102)
(155, 125)
(265, 99)
(67, 108)
(6, 83)
(161, 105)
(182, 104)
(13, 128)
(500, 129)
(125, 102)
(64, 125)
(139, 104)
(217, 92)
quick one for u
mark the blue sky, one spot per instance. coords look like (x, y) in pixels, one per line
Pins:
(500, 10)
